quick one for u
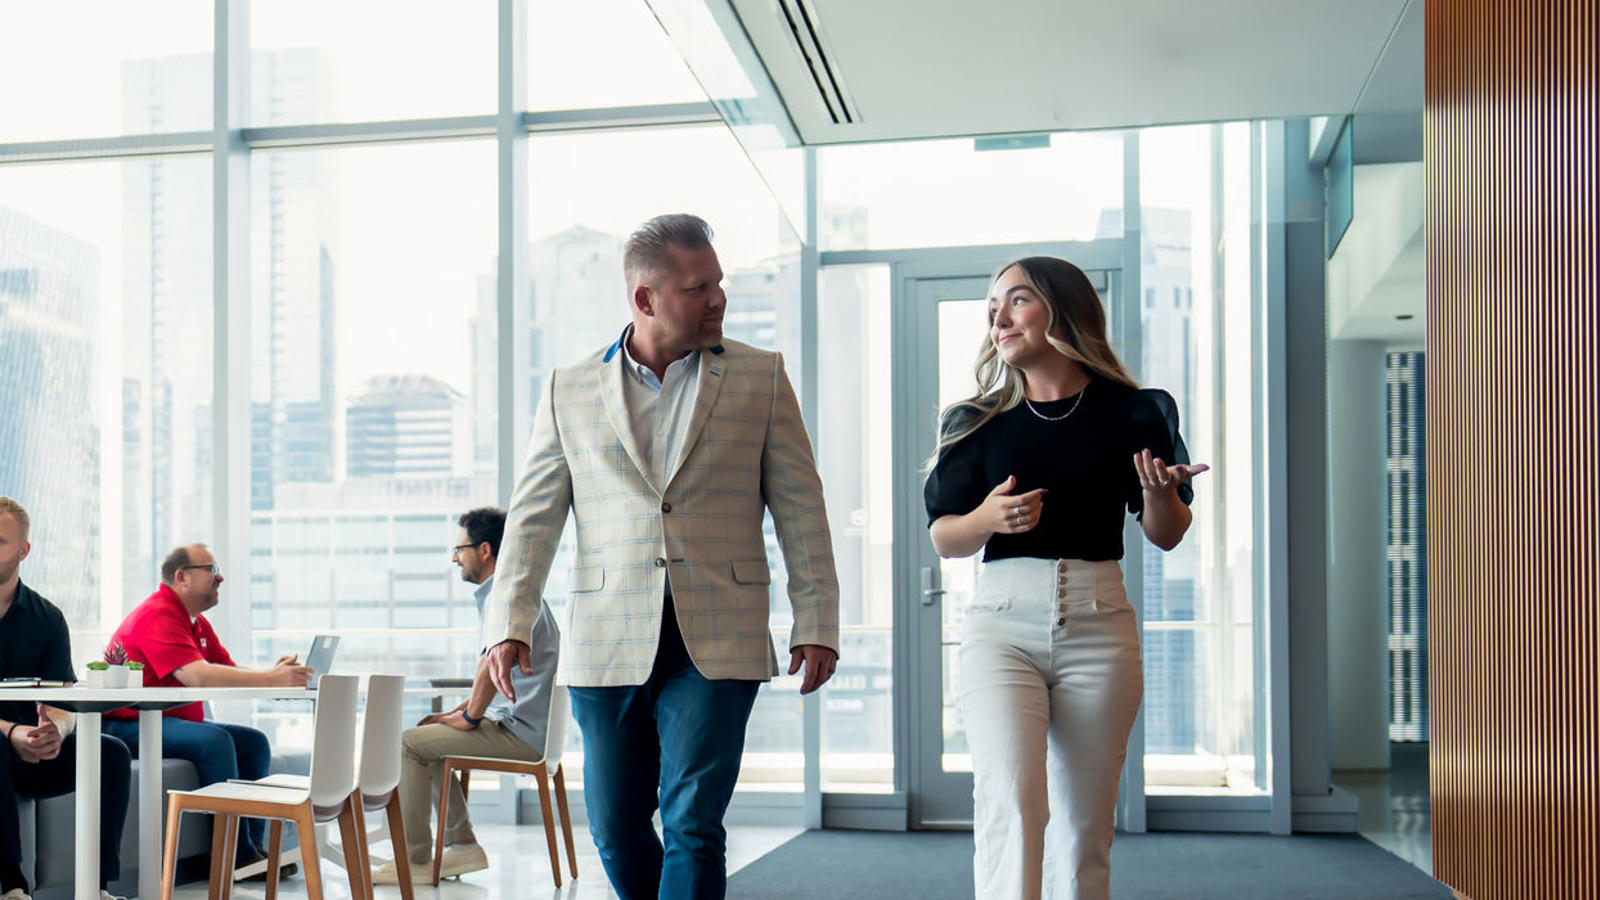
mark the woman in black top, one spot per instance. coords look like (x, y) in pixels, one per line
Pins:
(1035, 470)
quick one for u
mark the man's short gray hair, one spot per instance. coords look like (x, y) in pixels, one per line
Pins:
(646, 249)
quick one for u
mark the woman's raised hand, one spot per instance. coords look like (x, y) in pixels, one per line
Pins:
(1007, 513)
(1157, 477)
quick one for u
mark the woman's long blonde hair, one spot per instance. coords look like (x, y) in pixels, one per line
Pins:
(1075, 306)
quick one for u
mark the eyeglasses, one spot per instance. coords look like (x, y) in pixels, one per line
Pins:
(212, 568)
(456, 550)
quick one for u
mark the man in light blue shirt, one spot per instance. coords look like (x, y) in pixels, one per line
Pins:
(485, 724)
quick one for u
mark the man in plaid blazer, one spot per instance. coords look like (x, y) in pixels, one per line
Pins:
(667, 447)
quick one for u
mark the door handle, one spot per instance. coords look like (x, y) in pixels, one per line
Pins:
(929, 592)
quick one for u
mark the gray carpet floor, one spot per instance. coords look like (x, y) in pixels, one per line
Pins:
(929, 865)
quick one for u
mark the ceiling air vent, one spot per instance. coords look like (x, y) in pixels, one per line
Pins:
(806, 33)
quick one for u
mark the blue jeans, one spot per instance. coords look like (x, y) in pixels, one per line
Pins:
(679, 734)
(219, 751)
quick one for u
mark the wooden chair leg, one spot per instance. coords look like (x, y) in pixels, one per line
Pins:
(169, 854)
(397, 840)
(274, 850)
(230, 853)
(363, 859)
(349, 837)
(307, 829)
(219, 843)
(444, 806)
(549, 823)
(566, 817)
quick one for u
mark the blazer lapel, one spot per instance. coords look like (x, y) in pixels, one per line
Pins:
(612, 372)
(711, 368)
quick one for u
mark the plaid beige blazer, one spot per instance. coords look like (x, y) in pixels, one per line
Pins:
(746, 452)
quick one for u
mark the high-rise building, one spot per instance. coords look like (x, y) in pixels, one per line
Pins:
(1177, 688)
(1408, 548)
(575, 303)
(368, 557)
(49, 313)
(291, 292)
(168, 344)
(408, 426)
(167, 326)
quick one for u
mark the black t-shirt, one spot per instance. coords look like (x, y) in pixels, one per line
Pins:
(34, 643)
(1085, 460)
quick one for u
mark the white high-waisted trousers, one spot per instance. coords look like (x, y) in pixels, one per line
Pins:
(1051, 681)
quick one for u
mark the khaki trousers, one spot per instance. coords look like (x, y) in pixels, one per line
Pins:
(422, 748)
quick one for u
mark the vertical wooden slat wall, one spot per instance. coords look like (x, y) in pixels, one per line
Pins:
(1512, 419)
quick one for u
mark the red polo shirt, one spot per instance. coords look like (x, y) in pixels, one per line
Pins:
(160, 634)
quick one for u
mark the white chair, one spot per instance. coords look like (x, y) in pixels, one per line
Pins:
(542, 771)
(379, 783)
(329, 795)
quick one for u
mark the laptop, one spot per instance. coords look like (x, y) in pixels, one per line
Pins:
(320, 657)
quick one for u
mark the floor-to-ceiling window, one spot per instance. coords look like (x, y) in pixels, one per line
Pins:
(375, 387)
(377, 402)
(1200, 274)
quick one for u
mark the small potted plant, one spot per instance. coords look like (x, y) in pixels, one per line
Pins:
(96, 673)
(116, 666)
(135, 674)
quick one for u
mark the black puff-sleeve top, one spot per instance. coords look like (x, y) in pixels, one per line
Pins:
(1085, 460)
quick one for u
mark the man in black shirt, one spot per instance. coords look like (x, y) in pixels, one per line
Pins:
(40, 751)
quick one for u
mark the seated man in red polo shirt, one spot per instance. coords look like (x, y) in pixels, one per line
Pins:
(170, 635)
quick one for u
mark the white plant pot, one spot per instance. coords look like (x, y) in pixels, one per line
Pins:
(117, 677)
(95, 678)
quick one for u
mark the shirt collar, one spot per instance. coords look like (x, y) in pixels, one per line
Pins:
(25, 598)
(170, 597)
(622, 339)
(643, 372)
(481, 592)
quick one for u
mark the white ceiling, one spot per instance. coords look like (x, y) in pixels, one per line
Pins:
(932, 68)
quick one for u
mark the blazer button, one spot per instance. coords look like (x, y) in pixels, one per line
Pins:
(661, 563)
(666, 507)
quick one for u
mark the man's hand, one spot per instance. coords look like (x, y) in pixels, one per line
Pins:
(288, 674)
(45, 738)
(292, 659)
(502, 657)
(436, 718)
(820, 663)
(20, 744)
(457, 720)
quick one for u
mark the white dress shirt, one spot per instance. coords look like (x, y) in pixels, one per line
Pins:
(660, 409)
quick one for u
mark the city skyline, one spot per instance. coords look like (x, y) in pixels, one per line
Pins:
(358, 401)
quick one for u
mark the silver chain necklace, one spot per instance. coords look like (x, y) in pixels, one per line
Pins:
(1063, 415)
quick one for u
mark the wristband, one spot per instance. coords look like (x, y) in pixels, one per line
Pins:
(470, 720)
(11, 729)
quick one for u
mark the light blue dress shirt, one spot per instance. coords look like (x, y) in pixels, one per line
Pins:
(660, 409)
(528, 716)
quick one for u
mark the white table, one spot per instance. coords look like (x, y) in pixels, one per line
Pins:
(89, 703)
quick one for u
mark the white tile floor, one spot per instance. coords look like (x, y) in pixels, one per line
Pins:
(519, 864)
(1395, 811)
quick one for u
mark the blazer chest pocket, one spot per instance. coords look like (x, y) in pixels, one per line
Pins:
(751, 571)
(588, 578)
